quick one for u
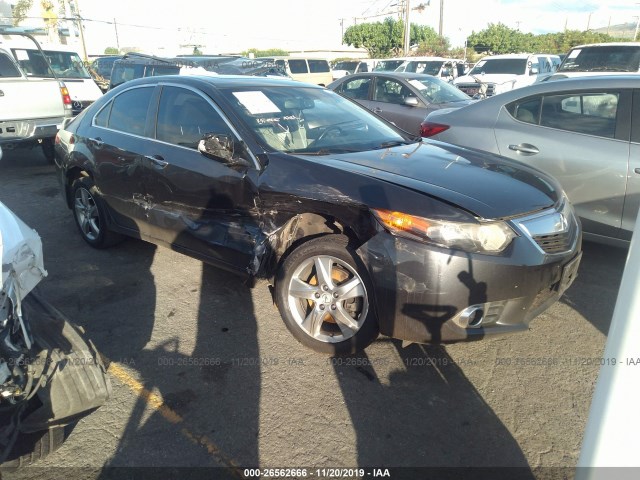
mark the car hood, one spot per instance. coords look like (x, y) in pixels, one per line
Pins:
(20, 255)
(486, 185)
(497, 78)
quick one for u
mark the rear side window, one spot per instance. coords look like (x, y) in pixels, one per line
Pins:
(7, 67)
(298, 66)
(184, 117)
(129, 111)
(318, 66)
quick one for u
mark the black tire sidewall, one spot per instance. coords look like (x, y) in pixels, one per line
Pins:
(335, 246)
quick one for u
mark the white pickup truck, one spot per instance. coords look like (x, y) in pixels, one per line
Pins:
(32, 110)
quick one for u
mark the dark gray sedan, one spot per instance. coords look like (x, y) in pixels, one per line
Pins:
(583, 131)
(402, 98)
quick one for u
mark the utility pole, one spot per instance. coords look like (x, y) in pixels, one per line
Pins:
(115, 26)
(441, 17)
(635, 35)
(407, 28)
(589, 21)
(80, 27)
(342, 33)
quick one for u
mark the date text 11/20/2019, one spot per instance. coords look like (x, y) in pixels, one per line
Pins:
(316, 472)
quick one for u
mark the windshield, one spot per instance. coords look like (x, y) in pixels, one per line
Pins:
(428, 68)
(388, 65)
(65, 64)
(310, 121)
(348, 66)
(614, 58)
(514, 66)
(435, 90)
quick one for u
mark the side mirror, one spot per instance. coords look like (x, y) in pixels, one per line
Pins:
(220, 147)
(411, 102)
(534, 71)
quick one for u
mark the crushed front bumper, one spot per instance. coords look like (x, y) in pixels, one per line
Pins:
(424, 293)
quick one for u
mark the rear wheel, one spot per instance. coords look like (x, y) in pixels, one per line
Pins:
(325, 297)
(90, 215)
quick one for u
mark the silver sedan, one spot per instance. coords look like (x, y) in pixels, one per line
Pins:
(401, 98)
(578, 130)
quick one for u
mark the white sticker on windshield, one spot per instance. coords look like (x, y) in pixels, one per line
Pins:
(418, 84)
(21, 54)
(256, 102)
(575, 53)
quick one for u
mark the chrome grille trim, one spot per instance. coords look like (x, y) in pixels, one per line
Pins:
(553, 231)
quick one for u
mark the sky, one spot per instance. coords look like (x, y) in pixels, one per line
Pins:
(158, 27)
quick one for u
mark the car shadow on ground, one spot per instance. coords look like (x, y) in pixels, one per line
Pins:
(595, 290)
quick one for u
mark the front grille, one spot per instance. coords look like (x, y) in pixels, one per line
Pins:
(472, 89)
(555, 243)
(553, 231)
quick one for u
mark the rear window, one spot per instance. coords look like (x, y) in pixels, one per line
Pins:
(7, 67)
(318, 66)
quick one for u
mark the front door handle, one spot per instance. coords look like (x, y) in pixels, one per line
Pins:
(157, 161)
(1, 93)
(525, 149)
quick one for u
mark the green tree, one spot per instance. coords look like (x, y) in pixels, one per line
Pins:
(383, 39)
(111, 51)
(269, 52)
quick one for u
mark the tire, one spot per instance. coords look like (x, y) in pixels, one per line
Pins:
(32, 447)
(90, 215)
(325, 297)
(48, 150)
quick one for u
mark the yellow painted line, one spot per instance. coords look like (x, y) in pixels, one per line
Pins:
(156, 402)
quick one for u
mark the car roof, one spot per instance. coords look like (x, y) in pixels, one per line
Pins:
(508, 55)
(405, 75)
(222, 81)
(560, 85)
(608, 44)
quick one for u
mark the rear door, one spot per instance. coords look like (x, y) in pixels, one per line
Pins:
(117, 139)
(580, 138)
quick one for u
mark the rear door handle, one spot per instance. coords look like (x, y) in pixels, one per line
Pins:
(1, 93)
(377, 110)
(157, 161)
(525, 148)
(637, 170)
(97, 141)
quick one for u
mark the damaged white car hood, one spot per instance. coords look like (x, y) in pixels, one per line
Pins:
(20, 256)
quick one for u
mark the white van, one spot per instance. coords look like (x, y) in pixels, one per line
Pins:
(66, 63)
(349, 67)
(310, 70)
(614, 58)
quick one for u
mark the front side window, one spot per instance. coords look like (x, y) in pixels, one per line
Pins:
(357, 88)
(129, 111)
(390, 91)
(184, 117)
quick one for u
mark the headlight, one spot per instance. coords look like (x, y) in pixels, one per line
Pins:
(483, 237)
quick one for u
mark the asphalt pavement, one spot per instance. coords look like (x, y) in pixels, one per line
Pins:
(205, 374)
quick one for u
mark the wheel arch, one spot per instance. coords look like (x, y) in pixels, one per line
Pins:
(71, 175)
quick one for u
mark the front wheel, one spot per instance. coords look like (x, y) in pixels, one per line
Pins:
(325, 297)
